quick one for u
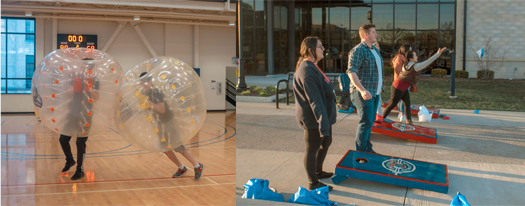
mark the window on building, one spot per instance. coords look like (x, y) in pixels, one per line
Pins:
(18, 54)
(424, 24)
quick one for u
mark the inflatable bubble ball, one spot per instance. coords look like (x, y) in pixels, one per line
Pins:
(75, 91)
(161, 105)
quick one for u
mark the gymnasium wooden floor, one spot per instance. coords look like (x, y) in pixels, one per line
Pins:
(117, 173)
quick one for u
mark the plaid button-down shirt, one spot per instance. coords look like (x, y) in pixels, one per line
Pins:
(363, 63)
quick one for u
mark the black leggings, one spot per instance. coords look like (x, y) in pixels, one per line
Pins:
(315, 153)
(395, 96)
(81, 149)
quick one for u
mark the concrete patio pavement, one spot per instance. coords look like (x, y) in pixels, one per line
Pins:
(485, 154)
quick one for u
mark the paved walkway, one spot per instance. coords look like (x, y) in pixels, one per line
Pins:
(485, 154)
(264, 81)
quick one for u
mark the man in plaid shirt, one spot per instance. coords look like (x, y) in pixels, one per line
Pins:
(366, 72)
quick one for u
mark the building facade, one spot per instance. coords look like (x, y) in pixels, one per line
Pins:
(425, 24)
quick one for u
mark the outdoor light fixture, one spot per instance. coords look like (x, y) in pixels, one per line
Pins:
(136, 17)
(232, 23)
(29, 13)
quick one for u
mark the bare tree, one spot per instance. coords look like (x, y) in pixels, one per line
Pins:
(493, 58)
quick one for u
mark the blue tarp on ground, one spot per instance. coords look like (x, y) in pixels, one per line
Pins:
(459, 200)
(318, 196)
(258, 189)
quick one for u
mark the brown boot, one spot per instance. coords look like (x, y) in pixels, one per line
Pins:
(409, 122)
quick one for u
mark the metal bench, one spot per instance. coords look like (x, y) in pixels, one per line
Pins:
(286, 90)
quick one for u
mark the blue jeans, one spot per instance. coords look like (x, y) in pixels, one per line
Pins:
(401, 107)
(366, 110)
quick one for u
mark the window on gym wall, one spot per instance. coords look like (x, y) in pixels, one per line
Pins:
(18, 54)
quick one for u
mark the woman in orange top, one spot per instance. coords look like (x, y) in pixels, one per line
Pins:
(398, 61)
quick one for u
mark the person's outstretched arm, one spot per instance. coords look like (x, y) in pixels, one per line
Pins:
(422, 65)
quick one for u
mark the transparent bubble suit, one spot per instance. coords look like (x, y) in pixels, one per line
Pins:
(75, 91)
(163, 109)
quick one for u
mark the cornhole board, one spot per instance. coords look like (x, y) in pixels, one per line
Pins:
(415, 109)
(392, 170)
(406, 131)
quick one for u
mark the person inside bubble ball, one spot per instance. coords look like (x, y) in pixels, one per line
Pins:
(162, 113)
(85, 91)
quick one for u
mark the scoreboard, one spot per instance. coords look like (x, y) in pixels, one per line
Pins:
(76, 41)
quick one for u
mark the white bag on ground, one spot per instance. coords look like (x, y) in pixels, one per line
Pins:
(424, 115)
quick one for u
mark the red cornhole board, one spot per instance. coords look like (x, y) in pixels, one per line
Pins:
(406, 131)
(392, 170)
(415, 109)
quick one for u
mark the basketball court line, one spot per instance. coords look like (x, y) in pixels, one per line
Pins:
(212, 180)
(145, 152)
(134, 183)
(119, 190)
(112, 181)
(122, 139)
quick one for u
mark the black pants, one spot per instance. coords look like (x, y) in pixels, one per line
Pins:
(316, 149)
(395, 96)
(81, 149)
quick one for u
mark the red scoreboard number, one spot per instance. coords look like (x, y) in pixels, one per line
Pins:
(75, 41)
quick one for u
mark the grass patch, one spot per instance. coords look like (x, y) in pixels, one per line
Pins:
(498, 94)
(258, 91)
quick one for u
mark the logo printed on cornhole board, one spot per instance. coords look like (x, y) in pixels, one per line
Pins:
(403, 127)
(398, 166)
(392, 170)
(406, 131)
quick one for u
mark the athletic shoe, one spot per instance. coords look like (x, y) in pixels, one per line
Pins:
(324, 174)
(319, 185)
(79, 174)
(379, 118)
(198, 171)
(180, 172)
(68, 166)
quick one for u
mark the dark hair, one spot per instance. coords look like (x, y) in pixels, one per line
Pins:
(90, 65)
(402, 51)
(309, 42)
(409, 55)
(365, 29)
(146, 79)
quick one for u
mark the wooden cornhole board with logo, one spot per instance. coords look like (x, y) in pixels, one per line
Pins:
(406, 131)
(392, 170)
(414, 108)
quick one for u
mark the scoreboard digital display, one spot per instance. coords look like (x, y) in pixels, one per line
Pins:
(76, 41)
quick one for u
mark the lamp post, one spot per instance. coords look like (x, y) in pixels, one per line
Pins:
(241, 83)
(453, 75)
